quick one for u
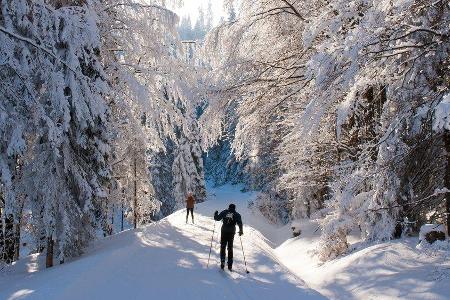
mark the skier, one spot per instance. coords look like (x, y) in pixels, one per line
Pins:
(190, 201)
(229, 219)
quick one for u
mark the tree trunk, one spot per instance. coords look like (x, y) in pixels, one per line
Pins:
(16, 241)
(8, 253)
(447, 179)
(135, 192)
(121, 219)
(42, 234)
(2, 238)
(308, 208)
(17, 228)
(112, 215)
(49, 257)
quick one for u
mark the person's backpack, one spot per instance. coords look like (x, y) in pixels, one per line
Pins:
(229, 218)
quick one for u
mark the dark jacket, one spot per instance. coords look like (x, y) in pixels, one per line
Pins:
(229, 220)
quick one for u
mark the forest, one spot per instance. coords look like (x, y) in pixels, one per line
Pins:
(111, 111)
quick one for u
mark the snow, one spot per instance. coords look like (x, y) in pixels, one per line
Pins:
(442, 113)
(390, 270)
(168, 259)
(426, 228)
(437, 246)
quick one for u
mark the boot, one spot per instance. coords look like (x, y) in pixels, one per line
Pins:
(222, 265)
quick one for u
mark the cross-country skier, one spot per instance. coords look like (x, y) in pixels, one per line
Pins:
(190, 201)
(229, 219)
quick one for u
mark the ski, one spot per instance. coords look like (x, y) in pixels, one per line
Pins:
(233, 274)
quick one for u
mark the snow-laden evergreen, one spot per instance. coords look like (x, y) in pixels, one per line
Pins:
(154, 110)
(55, 118)
(89, 103)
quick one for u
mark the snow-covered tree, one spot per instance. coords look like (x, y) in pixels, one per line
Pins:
(155, 106)
(87, 101)
(341, 108)
(55, 83)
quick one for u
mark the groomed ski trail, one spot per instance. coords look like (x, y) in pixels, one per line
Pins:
(166, 260)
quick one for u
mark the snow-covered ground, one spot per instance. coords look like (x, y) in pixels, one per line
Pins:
(168, 259)
(391, 270)
(165, 260)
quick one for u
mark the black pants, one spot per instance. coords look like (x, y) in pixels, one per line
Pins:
(226, 239)
(187, 213)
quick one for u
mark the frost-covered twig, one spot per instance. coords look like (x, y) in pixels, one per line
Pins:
(33, 43)
(436, 193)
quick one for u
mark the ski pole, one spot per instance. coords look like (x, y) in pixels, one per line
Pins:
(243, 254)
(217, 239)
(210, 247)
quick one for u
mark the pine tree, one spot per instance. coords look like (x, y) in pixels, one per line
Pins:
(67, 116)
(209, 17)
(200, 26)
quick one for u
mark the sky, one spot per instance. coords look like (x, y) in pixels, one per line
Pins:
(190, 7)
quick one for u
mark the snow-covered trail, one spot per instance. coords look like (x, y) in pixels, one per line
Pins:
(166, 259)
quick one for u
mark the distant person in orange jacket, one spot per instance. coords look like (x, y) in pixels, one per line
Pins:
(190, 201)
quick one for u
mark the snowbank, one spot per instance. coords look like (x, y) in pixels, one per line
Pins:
(391, 270)
(427, 228)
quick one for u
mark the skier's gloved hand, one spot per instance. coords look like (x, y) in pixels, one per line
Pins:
(216, 213)
(241, 233)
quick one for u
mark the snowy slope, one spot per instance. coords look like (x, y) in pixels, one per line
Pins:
(164, 260)
(390, 270)
(168, 260)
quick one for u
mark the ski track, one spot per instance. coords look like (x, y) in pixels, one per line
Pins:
(166, 259)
